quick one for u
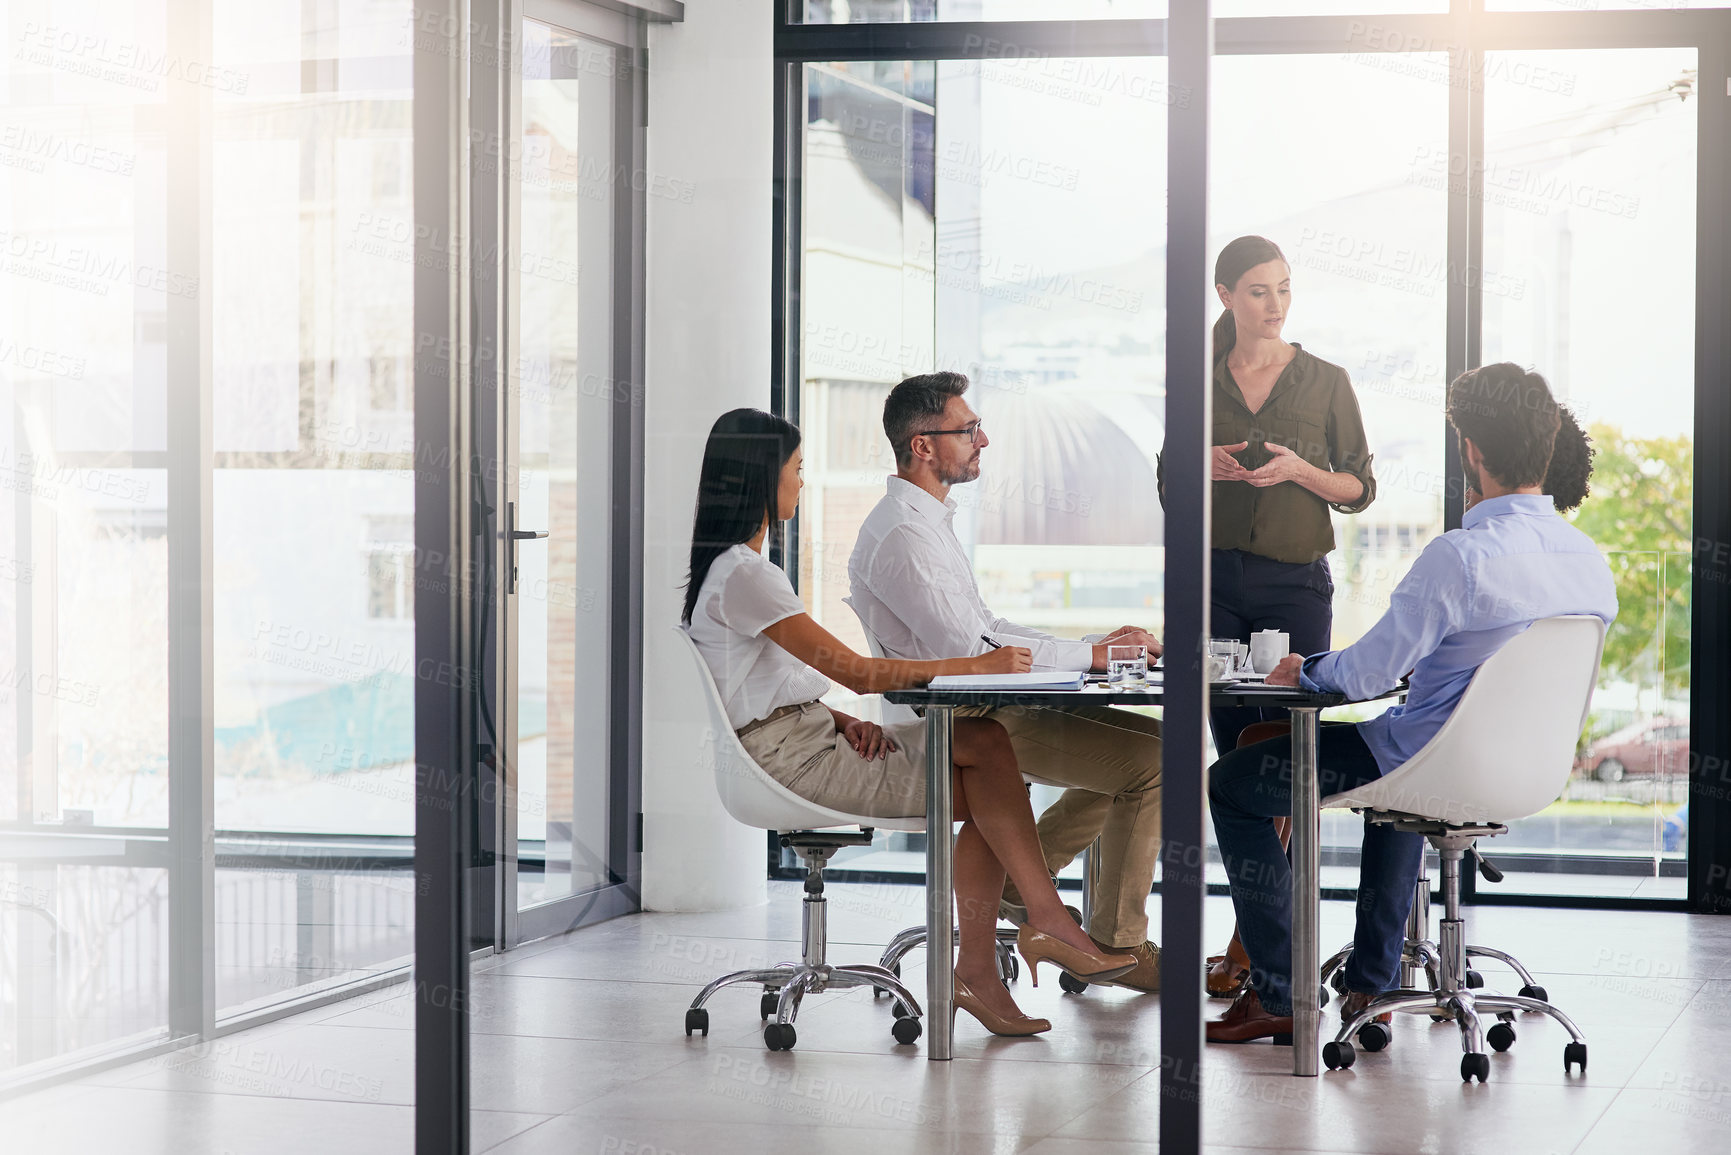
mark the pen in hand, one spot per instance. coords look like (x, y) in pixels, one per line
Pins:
(990, 642)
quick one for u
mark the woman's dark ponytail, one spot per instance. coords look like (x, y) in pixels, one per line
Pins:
(1234, 261)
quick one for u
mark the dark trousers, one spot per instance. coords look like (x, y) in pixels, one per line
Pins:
(1251, 593)
(1247, 789)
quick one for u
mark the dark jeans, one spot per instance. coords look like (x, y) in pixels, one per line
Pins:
(1249, 787)
(1251, 593)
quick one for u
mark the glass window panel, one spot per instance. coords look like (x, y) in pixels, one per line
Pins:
(1590, 223)
(82, 959)
(312, 345)
(85, 283)
(1051, 296)
(867, 293)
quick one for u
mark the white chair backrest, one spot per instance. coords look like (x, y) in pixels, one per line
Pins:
(1506, 751)
(891, 713)
(750, 794)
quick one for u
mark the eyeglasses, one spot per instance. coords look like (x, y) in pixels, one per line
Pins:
(974, 430)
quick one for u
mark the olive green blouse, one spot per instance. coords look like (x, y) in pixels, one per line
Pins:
(1312, 411)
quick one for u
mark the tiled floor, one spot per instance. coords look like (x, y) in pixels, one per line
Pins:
(578, 1047)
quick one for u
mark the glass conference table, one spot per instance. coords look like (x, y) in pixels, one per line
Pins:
(1304, 707)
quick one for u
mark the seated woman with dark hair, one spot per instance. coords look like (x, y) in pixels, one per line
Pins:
(772, 663)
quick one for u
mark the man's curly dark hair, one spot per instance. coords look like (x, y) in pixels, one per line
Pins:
(1571, 464)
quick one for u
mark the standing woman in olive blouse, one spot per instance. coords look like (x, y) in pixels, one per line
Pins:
(1288, 446)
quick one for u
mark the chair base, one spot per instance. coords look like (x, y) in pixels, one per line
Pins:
(914, 937)
(789, 983)
(1453, 992)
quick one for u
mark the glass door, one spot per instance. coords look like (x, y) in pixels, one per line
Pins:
(564, 743)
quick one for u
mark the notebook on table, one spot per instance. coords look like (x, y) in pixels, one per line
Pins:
(1033, 680)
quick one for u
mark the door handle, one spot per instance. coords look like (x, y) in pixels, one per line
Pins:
(512, 536)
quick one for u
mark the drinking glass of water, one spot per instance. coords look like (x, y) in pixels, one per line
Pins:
(1225, 648)
(1126, 664)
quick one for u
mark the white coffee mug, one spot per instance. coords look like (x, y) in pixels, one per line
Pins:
(1267, 647)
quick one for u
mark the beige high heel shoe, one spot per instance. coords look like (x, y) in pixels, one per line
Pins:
(1037, 947)
(1019, 1027)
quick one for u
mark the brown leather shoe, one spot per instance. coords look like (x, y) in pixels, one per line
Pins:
(1245, 1020)
(1146, 976)
(1356, 1001)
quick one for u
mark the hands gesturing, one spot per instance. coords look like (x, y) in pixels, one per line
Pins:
(1283, 464)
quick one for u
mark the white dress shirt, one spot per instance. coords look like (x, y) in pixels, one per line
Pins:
(741, 596)
(914, 588)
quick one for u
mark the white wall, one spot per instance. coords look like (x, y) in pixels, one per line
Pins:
(710, 124)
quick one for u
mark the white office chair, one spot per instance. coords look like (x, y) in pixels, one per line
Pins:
(756, 799)
(914, 937)
(1505, 753)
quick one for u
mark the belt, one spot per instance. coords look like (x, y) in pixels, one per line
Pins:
(772, 716)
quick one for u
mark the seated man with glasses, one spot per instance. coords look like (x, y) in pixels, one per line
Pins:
(913, 587)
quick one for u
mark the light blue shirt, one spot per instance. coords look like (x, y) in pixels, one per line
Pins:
(1512, 562)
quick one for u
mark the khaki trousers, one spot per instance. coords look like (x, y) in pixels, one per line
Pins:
(1108, 760)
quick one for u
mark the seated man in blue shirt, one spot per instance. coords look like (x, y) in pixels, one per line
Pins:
(1512, 562)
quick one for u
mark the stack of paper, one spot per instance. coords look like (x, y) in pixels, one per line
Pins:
(1035, 680)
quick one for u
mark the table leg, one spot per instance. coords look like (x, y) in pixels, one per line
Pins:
(1306, 892)
(940, 885)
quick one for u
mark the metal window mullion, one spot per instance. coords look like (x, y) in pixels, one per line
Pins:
(1464, 243)
(787, 197)
(444, 737)
(1188, 512)
(191, 680)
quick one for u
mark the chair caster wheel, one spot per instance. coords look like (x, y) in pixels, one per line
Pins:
(768, 1004)
(1337, 1056)
(1374, 1037)
(1338, 981)
(895, 969)
(697, 1019)
(906, 1030)
(1475, 1066)
(1575, 1053)
(1071, 984)
(1075, 914)
(779, 1036)
(901, 1011)
(1475, 980)
(1325, 999)
(1501, 1037)
(1534, 991)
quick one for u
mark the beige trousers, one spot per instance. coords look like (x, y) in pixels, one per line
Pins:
(1109, 762)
